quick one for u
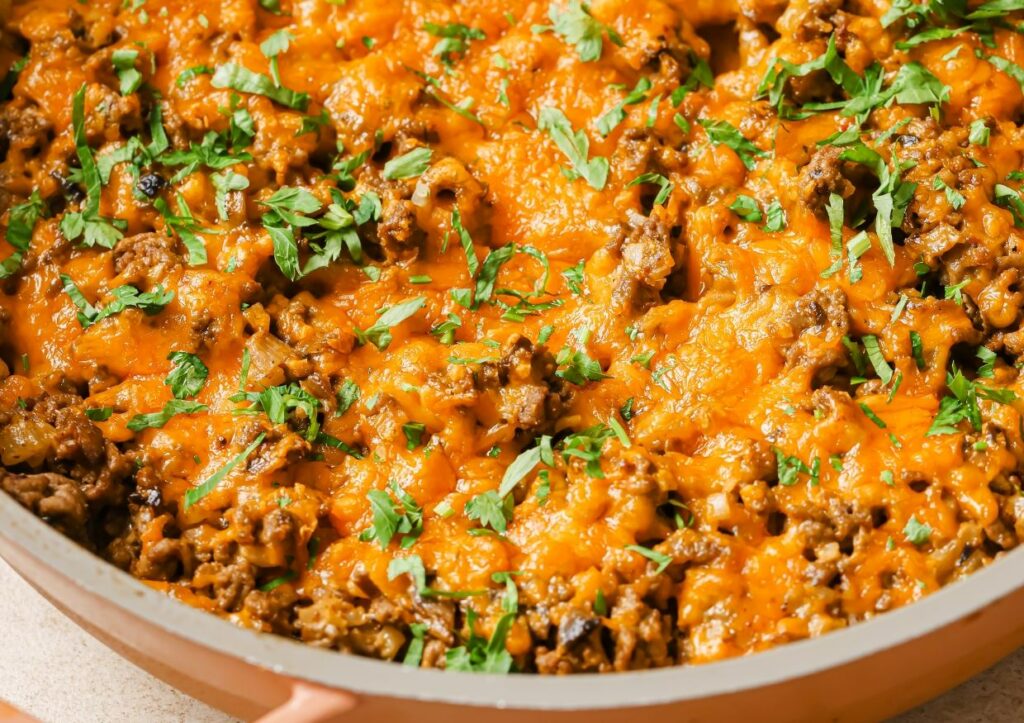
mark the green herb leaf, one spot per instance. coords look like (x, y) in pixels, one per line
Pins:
(490, 510)
(775, 217)
(661, 559)
(578, 27)
(387, 522)
(575, 146)
(917, 532)
(657, 179)
(125, 297)
(99, 414)
(237, 77)
(607, 122)
(159, 419)
(516, 472)
(722, 133)
(414, 653)
(408, 165)
(380, 333)
(197, 493)
(746, 208)
(188, 375)
(124, 65)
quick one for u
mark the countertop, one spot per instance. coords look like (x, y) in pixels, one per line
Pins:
(58, 673)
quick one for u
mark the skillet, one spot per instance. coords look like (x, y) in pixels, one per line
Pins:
(870, 671)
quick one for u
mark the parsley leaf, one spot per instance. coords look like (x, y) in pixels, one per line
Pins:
(197, 493)
(575, 146)
(454, 40)
(223, 184)
(954, 197)
(664, 185)
(917, 532)
(87, 223)
(587, 446)
(578, 27)
(124, 65)
(789, 467)
(775, 217)
(408, 165)
(237, 77)
(159, 419)
(387, 521)
(746, 208)
(380, 333)
(21, 222)
(661, 559)
(280, 402)
(722, 133)
(491, 510)
(963, 404)
(480, 656)
(1010, 199)
(188, 376)
(892, 196)
(607, 122)
(151, 302)
(524, 464)
(874, 352)
(348, 394)
(577, 367)
(99, 414)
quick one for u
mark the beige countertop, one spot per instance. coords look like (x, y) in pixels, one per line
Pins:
(58, 673)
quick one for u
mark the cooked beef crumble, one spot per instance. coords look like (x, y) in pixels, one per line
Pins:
(504, 336)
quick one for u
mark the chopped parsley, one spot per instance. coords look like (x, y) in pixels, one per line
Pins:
(491, 510)
(380, 333)
(188, 375)
(159, 419)
(663, 184)
(723, 133)
(125, 297)
(576, 26)
(608, 122)
(195, 494)
(747, 208)
(408, 165)
(123, 61)
(576, 147)
(916, 532)
(237, 77)
(659, 558)
(388, 521)
(21, 222)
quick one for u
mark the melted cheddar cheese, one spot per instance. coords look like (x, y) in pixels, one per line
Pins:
(514, 336)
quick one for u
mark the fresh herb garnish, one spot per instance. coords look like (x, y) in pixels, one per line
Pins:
(576, 147)
(380, 333)
(578, 27)
(125, 297)
(123, 61)
(195, 494)
(722, 133)
(408, 165)
(237, 77)
(659, 558)
(159, 419)
(188, 375)
(388, 521)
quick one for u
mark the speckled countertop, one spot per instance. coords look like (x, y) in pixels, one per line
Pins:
(43, 648)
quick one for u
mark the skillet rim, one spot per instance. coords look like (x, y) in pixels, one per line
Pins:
(580, 692)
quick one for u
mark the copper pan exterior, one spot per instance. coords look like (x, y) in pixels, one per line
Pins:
(868, 672)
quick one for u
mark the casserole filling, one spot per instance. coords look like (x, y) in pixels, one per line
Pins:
(508, 336)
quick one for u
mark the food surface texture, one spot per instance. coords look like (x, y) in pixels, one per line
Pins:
(517, 336)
